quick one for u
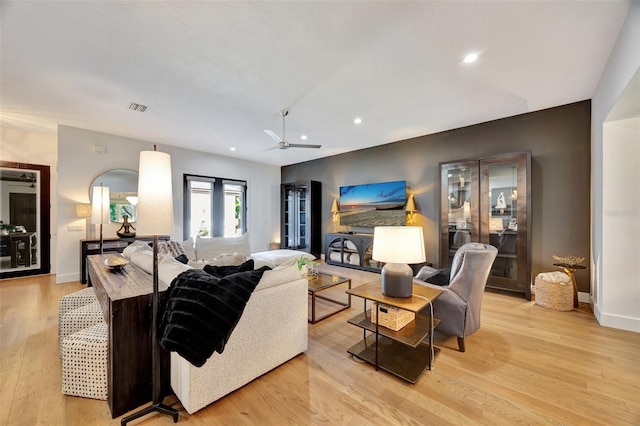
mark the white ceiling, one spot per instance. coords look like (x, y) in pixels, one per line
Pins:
(215, 75)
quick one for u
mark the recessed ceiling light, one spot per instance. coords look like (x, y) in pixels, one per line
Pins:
(303, 137)
(232, 148)
(357, 120)
(470, 58)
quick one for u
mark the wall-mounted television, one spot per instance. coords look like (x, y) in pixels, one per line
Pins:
(373, 204)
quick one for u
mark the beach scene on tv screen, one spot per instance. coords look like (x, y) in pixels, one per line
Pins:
(373, 204)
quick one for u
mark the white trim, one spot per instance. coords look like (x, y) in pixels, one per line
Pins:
(67, 278)
(616, 321)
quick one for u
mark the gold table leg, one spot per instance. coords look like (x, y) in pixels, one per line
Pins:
(569, 271)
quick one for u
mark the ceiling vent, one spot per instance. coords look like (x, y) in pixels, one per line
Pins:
(137, 107)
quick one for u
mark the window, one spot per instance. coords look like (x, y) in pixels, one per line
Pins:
(214, 207)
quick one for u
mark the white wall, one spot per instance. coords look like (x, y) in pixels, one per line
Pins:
(79, 165)
(615, 271)
(34, 148)
(621, 199)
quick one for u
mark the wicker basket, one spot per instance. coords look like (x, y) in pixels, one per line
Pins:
(391, 317)
(554, 290)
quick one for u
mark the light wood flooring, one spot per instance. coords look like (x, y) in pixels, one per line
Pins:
(526, 365)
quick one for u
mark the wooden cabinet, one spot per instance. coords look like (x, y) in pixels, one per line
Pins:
(351, 250)
(301, 217)
(488, 200)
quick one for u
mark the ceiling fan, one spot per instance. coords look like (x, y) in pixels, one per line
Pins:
(282, 143)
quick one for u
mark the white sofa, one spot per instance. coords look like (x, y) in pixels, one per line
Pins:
(272, 330)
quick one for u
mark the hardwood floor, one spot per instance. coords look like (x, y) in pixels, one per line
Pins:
(526, 365)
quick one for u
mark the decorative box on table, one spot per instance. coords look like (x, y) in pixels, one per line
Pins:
(391, 317)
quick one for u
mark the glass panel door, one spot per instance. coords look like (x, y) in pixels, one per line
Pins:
(288, 214)
(301, 214)
(201, 200)
(504, 214)
(503, 219)
(233, 208)
(459, 198)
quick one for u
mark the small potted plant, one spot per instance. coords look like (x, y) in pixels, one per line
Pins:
(311, 266)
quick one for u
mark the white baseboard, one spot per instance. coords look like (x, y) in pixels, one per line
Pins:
(616, 321)
(67, 278)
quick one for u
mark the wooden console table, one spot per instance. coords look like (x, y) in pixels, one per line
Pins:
(125, 298)
(109, 245)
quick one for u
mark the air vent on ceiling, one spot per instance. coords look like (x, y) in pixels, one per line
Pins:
(137, 107)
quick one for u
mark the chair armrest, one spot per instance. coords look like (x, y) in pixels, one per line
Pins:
(449, 308)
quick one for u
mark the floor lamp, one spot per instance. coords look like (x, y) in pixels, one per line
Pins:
(155, 217)
(100, 208)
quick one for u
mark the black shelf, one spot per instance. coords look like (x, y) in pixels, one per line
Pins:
(411, 334)
(394, 357)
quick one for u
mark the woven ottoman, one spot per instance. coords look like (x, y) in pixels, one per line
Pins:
(84, 362)
(554, 290)
(75, 300)
(79, 318)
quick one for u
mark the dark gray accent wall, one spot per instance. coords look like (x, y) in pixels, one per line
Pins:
(559, 141)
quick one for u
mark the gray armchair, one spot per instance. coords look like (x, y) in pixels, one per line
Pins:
(458, 307)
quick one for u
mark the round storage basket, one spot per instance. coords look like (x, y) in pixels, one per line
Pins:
(554, 291)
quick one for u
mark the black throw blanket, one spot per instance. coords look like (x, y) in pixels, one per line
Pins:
(201, 311)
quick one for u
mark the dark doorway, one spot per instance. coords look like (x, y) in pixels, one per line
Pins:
(22, 209)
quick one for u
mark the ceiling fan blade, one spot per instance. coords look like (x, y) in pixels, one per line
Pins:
(273, 136)
(302, 145)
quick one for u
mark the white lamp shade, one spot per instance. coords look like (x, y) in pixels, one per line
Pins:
(100, 205)
(83, 210)
(398, 244)
(334, 206)
(155, 197)
(411, 205)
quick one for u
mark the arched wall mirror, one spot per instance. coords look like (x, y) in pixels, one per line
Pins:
(123, 193)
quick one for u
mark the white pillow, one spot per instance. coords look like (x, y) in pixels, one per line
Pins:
(212, 247)
(134, 247)
(169, 268)
(189, 248)
(174, 248)
(143, 259)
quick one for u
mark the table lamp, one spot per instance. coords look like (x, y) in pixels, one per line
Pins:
(396, 246)
(155, 217)
(84, 211)
(100, 208)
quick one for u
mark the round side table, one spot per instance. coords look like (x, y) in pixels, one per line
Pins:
(569, 270)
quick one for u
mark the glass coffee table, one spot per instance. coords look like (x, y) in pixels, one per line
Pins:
(323, 282)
